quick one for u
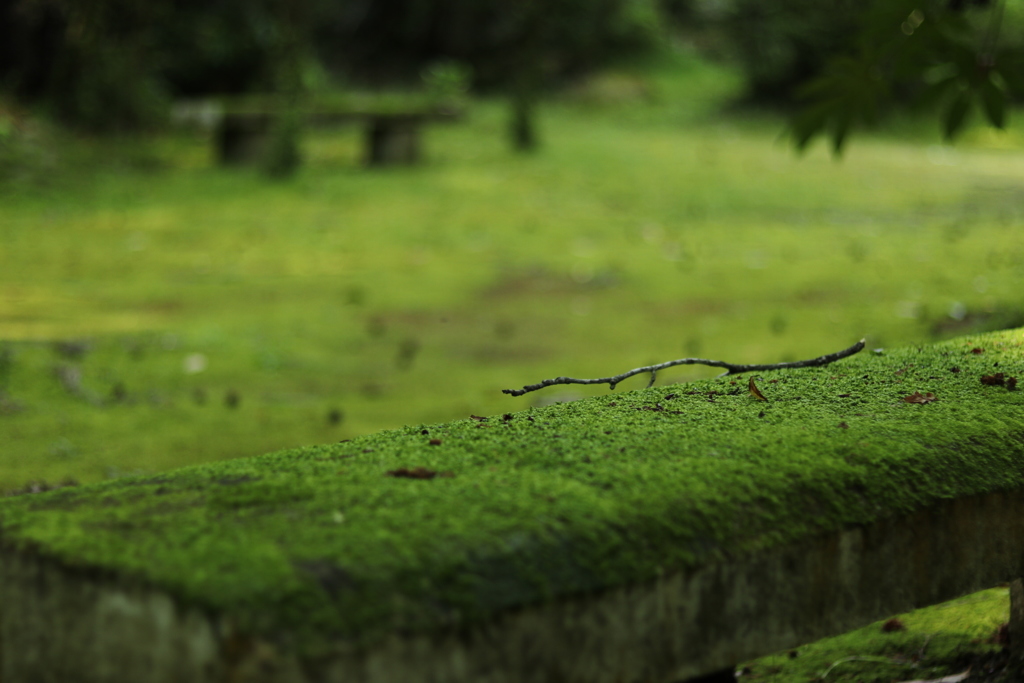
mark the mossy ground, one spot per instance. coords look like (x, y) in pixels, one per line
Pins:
(552, 501)
(926, 644)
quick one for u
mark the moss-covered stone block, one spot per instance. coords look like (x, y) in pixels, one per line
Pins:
(646, 535)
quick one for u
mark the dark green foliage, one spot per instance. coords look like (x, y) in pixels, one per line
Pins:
(394, 39)
(849, 92)
(26, 150)
(114, 64)
(222, 47)
(101, 71)
(948, 57)
(446, 81)
(780, 44)
(109, 65)
(848, 64)
(105, 90)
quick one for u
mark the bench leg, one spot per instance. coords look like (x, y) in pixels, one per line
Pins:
(241, 140)
(391, 141)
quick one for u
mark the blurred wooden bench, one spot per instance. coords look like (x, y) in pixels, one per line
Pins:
(393, 128)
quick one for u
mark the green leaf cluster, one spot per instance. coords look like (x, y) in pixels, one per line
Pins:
(948, 57)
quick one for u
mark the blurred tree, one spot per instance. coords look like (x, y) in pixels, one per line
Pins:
(845, 64)
(779, 44)
(219, 46)
(109, 64)
(86, 59)
(289, 54)
(392, 40)
(952, 56)
(518, 48)
(115, 64)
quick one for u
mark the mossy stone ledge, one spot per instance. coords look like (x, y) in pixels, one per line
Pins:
(649, 535)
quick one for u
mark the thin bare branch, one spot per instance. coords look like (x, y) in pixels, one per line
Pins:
(731, 369)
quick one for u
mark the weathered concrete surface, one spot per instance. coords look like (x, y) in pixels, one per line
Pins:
(62, 623)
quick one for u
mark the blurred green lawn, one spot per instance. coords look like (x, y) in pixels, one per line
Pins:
(651, 226)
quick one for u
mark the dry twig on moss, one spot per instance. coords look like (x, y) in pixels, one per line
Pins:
(731, 369)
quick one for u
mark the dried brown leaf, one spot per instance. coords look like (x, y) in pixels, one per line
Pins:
(755, 391)
(412, 473)
(892, 625)
(918, 397)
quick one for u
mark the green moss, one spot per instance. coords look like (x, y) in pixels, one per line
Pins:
(552, 501)
(925, 644)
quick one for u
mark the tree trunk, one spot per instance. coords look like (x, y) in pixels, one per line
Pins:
(522, 128)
